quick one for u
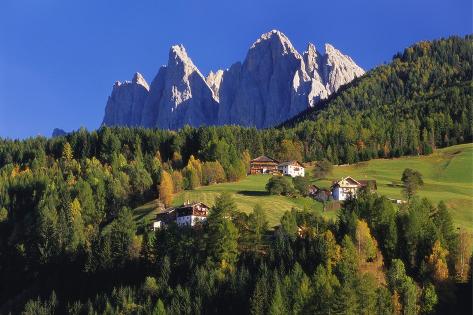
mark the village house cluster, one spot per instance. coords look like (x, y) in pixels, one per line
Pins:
(267, 165)
(194, 213)
(340, 190)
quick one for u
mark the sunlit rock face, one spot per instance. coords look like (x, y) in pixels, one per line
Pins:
(125, 104)
(179, 95)
(274, 83)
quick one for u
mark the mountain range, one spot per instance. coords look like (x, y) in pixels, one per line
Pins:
(274, 83)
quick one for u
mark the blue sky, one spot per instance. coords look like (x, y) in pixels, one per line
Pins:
(59, 59)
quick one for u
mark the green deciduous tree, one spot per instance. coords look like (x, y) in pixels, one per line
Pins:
(212, 173)
(301, 184)
(322, 169)
(280, 185)
(412, 181)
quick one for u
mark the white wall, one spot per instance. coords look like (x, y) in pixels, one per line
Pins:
(189, 220)
(291, 170)
(157, 225)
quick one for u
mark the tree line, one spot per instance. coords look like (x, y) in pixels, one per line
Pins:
(373, 259)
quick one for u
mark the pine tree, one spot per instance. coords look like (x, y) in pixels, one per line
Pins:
(257, 225)
(412, 181)
(325, 285)
(345, 302)
(396, 302)
(159, 308)
(259, 300)
(277, 306)
(428, 299)
(222, 233)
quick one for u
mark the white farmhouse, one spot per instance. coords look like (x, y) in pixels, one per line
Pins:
(189, 214)
(348, 187)
(292, 168)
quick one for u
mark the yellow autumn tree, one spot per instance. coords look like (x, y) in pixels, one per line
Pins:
(396, 302)
(462, 259)
(166, 189)
(75, 210)
(197, 165)
(157, 156)
(246, 157)
(212, 172)
(78, 235)
(177, 180)
(67, 152)
(366, 244)
(437, 262)
(333, 250)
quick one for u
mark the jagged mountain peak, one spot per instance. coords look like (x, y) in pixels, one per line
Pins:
(178, 55)
(333, 53)
(311, 49)
(180, 63)
(339, 68)
(125, 104)
(139, 79)
(178, 50)
(273, 83)
(276, 39)
(312, 60)
(329, 49)
(273, 34)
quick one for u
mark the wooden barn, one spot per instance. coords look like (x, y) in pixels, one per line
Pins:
(263, 165)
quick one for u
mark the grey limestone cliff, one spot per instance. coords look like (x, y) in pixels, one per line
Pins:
(125, 104)
(272, 84)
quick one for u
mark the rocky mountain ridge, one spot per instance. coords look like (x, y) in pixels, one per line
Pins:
(274, 83)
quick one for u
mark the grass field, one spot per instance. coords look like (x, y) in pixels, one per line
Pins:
(447, 173)
(247, 193)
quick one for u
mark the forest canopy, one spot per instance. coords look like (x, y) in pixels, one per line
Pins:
(69, 244)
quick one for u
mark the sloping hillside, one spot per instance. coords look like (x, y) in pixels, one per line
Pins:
(448, 176)
(420, 101)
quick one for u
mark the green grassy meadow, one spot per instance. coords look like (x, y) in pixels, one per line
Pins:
(447, 173)
(247, 193)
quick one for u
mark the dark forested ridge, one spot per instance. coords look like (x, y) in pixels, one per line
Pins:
(421, 100)
(69, 243)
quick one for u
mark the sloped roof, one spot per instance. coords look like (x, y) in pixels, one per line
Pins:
(185, 205)
(264, 158)
(348, 179)
(291, 163)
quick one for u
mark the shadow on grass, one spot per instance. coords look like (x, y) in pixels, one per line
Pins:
(252, 193)
(142, 212)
